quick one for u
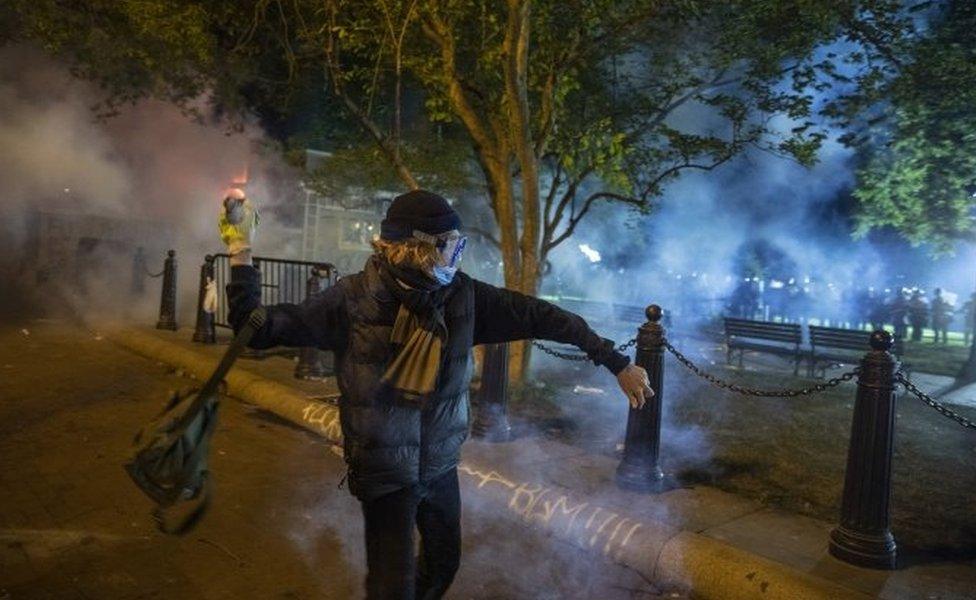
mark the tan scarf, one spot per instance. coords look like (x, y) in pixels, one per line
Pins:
(419, 332)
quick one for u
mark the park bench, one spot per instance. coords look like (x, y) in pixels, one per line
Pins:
(831, 345)
(781, 339)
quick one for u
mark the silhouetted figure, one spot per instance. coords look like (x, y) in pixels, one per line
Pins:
(745, 300)
(872, 309)
(898, 313)
(969, 317)
(918, 314)
(941, 317)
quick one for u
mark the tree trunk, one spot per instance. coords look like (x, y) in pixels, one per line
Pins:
(516, 46)
(502, 195)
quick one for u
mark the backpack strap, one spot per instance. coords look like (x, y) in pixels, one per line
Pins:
(255, 321)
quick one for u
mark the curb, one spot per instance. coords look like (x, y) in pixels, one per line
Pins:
(713, 570)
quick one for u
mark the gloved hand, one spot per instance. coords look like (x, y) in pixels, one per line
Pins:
(238, 223)
(635, 384)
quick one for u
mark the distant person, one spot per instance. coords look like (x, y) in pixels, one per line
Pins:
(898, 313)
(941, 317)
(874, 309)
(745, 300)
(969, 317)
(402, 331)
(918, 314)
(793, 302)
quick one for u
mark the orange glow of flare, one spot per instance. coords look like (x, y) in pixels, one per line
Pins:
(240, 181)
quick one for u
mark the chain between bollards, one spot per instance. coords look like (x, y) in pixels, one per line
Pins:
(759, 392)
(942, 409)
(575, 356)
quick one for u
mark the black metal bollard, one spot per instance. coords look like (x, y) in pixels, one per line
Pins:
(864, 535)
(640, 468)
(167, 300)
(491, 422)
(205, 332)
(310, 361)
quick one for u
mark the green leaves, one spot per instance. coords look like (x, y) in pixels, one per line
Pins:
(919, 141)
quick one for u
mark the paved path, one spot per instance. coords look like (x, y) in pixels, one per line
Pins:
(73, 526)
(533, 473)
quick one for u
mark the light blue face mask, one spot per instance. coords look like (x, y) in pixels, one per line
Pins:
(444, 275)
(451, 248)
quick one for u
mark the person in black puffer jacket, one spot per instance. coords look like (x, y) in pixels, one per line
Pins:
(401, 331)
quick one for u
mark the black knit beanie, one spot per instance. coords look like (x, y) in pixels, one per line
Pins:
(418, 210)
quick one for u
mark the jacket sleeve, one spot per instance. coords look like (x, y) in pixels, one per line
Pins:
(319, 321)
(504, 316)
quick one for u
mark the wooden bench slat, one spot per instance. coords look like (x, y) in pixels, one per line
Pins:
(743, 327)
(784, 350)
(761, 331)
(839, 338)
(861, 343)
(737, 327)
(763, 325)
(765, 334)
(785, 338)
(771, 338)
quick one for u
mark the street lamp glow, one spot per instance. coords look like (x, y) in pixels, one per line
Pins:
(590, 253)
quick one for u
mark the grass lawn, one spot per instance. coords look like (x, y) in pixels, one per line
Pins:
(926, 357)
(787, 453)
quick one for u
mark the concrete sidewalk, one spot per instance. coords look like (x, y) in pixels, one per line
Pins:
(716, 544)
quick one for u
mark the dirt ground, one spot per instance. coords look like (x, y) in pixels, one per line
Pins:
(786, 453)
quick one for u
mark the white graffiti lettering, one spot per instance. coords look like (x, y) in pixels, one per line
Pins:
(534, 502)
(325, 417)
(562, 504)
(486, 478)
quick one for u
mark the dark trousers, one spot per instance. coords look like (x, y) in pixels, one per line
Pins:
(393, 570)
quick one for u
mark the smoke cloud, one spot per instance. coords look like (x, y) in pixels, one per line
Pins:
(151, 163)
(689, 250)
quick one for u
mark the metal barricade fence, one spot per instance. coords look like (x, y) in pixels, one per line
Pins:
(281, 281)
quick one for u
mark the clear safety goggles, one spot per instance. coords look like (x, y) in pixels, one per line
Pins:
(451, 245)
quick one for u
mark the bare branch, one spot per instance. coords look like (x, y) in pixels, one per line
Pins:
(382, 140)
(553, 187)
(438, 32)
(567, 198)
(484, 234)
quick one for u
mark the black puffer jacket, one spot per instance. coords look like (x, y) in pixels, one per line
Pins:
(389, 446)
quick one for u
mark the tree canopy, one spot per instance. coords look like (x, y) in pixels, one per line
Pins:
(917, 134)
(538, 108)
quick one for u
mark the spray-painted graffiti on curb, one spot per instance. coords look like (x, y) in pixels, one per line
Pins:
(325, 419)
(588, 524)
(585, 522)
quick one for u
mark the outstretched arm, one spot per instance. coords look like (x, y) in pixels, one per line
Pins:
(318, 321)
(503, 316)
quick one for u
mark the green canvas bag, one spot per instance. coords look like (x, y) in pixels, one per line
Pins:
(169, 459)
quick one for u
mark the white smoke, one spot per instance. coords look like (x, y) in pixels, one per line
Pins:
(150, 163)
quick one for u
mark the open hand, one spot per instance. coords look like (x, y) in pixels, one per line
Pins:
(635, 384)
